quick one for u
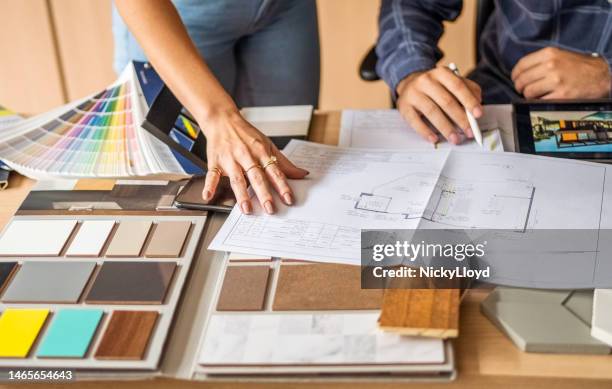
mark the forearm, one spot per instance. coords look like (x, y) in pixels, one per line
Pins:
(159, 30)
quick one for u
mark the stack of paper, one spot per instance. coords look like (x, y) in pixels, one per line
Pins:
(98, 136)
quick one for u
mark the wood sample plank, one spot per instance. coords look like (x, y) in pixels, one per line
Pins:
(244, 288)
(168, 239)
(323, 287)
(423, 312)
(127, 335)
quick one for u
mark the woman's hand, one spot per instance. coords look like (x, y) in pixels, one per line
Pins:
(239, 151)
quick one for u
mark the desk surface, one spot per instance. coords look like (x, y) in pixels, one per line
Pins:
(485, 357)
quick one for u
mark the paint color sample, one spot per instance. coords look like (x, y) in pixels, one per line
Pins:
(244, 288)
(131, 283)
(36, 237)
(56, 282)
(129, 239)
(323, 287)
(70, 333)
(127, 335)
(19, 329)
(168, 239)
(6, 270)
(90, 238)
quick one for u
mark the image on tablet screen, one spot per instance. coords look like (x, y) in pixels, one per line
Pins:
(572, 131)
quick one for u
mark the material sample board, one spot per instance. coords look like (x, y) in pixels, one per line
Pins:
(244, 288)
(127, 335)
(90, 238)
(49, 237)
(70, 333)
(129, 239)
(168, 239)
(19, 329)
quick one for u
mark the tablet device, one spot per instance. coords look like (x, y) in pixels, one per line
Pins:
(568, 129)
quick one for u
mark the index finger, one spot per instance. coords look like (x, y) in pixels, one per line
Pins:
(528, 61)
(459, 88)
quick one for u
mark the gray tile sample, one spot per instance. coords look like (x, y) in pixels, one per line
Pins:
(54, 282)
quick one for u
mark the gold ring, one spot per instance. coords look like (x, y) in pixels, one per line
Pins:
(216, 170)
(251, 167)
(271, 161)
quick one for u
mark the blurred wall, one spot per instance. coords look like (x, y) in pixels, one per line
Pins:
(54, 51)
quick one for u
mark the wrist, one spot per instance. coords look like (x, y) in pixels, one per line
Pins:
(212, 116)
(403, 84)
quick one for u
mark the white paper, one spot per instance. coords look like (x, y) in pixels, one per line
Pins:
(353, 189)
(49, 236)
(311, 339)
(385, 129)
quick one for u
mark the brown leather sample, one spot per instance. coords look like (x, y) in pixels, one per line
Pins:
(129, 239)
(168, 239)
(244, 288)
(127, 335)
(323, 287)
(423, 312)
(6, 270)
(131, 283)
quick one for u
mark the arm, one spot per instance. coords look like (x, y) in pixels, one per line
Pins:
(233, 144)
(408, 52)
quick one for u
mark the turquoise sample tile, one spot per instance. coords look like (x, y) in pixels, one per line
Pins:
(70, 333)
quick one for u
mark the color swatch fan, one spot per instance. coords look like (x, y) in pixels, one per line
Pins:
(99, 136)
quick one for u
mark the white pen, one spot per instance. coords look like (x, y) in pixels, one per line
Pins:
(471, 119)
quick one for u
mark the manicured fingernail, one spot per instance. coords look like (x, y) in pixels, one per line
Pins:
(269, 207)
(288, 198)
(478, 112)
(207, 195)
(432, 138)
(468, 132)
(246, 207)
(454, 139)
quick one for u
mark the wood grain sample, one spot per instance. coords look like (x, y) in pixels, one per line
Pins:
(244, 288)
(323, 287)
(127, 335)
(168, 239)
(424, 312)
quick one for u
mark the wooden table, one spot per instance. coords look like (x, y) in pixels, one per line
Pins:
(485, 357)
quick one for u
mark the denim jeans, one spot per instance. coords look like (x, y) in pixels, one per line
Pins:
(264, 52)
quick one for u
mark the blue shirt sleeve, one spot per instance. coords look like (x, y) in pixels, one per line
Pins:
(409, 31)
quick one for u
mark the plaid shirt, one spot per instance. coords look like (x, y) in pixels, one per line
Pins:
(410, 30)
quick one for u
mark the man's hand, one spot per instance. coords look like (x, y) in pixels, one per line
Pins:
(441, 97)
(553, 73)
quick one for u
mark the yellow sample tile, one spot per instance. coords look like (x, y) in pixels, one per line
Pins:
(19, 329)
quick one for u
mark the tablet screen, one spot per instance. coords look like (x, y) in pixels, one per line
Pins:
(571, 129)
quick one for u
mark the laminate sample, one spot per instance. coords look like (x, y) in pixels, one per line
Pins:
(6, 270)
(244, 288)
(422, 312)
(127, 335)
(36, 237)
(168, 239)
(90, 239)
(323, 287)
(131, 283)
(19, 329)
(70, 333)
(52, 282)
(129, 239)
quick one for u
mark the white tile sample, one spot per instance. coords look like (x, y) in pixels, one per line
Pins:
(36, 237)
(90, 238)
(311, 339)
(601, 324)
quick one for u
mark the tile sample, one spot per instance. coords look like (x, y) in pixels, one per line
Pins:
(323, 287)
(19, 329)
(168, 239)
(70, 333)
(36, 237)
(244, 288)
(6, 270)
(53, 282)
(131, 283)
(127, 335)
(129, 239)
(310, 339)
(90, 239)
